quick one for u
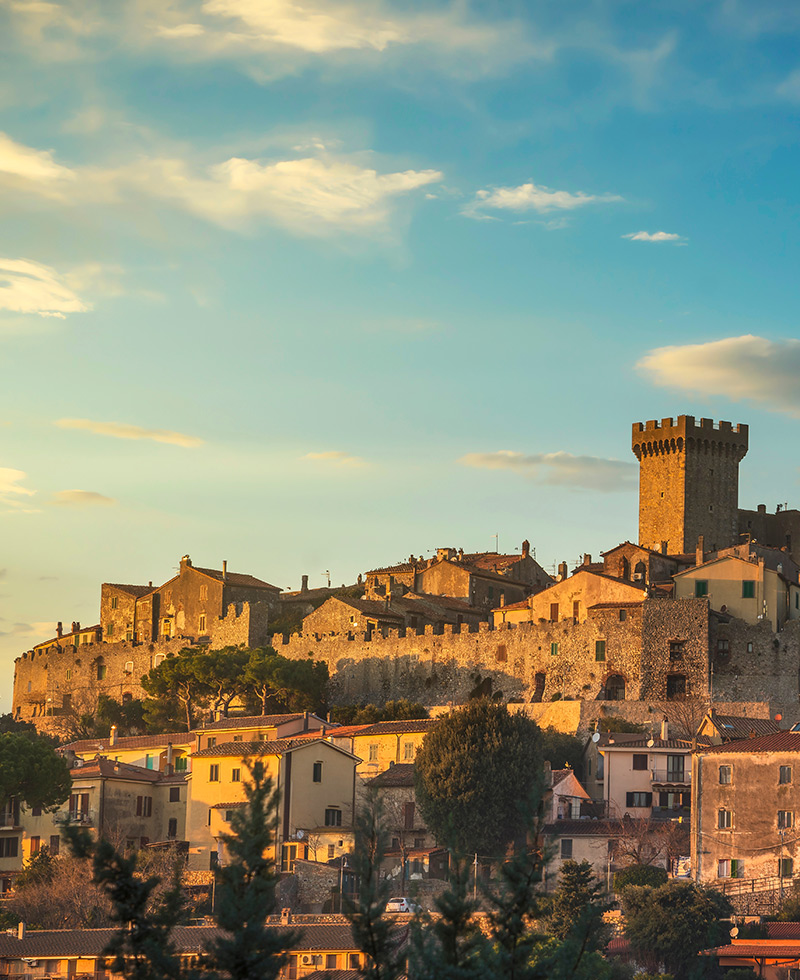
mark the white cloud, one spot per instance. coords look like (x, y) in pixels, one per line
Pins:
(23, 163)
(532, 197)
(81, 498)
(561, 469)
(29, 287)
(656, 236)
(336, 458)
(11, 491)
(311, 195)
(30, 629)
(124, 430)
(751, 368)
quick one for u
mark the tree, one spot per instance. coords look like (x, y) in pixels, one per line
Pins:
(613, 723)
(296, 685)
(576, 906)
(372, 931)
(371, 714)
(32, 772)
(39, 869)
(672, 923)
(177, 677)
(561, 750)
(639, 874)
(221, 672)
(245, 893)
(471, 773)
(640, 841)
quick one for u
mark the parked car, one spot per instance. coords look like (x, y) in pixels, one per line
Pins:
(402, 905)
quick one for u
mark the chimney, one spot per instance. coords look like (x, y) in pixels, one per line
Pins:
(502, 598)
(20, 930)
(762, 508)
(587, 559)
(700, 552)
(169, 757)
(224, 571)
(286, 917)
(59, 629)
(526, 548)
(305, 720)
(665, 728)
(303, 584)
(664, 547)
(112, 737)
(548, 775)
(186, 562)
(77, 627)
(563, 571)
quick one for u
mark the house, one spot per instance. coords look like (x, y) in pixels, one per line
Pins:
(259, 728)
(411, 611)
(384, 744)
(580, 840)
(747, 797)
(565, 797)
(771, 959)
(643, 776)
(157, 752)
(316, 782)
(634, 562)
(715, 729)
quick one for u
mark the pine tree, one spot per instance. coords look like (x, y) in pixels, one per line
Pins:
(245, 890)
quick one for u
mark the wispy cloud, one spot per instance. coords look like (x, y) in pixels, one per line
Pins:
(532, 197)
(12, 494)
(560, 469)
(124, 430)
(656, 236)
(81, 498)
(336, 458)
(29, 629)
(751, 368)
(310, 195)
(29, 287)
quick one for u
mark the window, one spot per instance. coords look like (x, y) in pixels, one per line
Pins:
(723, 647)
(36, 811)
(785, 819)
(148, 762)
(723, 869)
(638, 800)
(785, 867)
(331, 961)
(36, 843)
(210, 811)
(354, 961)
(331, 852)
(408, 816)
(726, 775)
(212, 741)
(236, 775)
(202, 623)
(180, 763)
(615, 688)
(419, 842)
(228, 816)
(566, 848)
(785, 774)
(748, 590)
(55, 844)
(553, 649)
(677, 648)
(9, 847)
(213, 860)
(174, 794)
(676, 686)
(317, 777)
(501, 654)
(333, 817)
(623, 615)
(144, 806)
(640, 760)
(700, 588)
(750, 646)
(408, 751)
(213, 773)
(601, 767)
(203, 591)
(102, 670)
(238, 738)
(553, 612)
(110, 629)
(600, 650)
(69, 675)
(373, 752)
(114, 602)
(166, 628)
(576, 609)
(737, 869)
(676, 768)
(172, 827)
(128, 666)
(724, 819)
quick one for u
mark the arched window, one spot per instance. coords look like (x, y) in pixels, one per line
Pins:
(626, 568)
(677, 687)
(615, 688)
(538, 688)
(640, 571)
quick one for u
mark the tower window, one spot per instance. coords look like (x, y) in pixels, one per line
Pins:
(700, 588)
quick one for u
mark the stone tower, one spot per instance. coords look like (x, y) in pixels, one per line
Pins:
(688, 482)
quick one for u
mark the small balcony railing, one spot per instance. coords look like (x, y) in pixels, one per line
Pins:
(672, 777)
(85, 818)
(7, 821)
(671, 813)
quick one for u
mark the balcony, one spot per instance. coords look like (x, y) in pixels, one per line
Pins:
(9, 821)
(671, 777)
(84, 818)
(682, 813)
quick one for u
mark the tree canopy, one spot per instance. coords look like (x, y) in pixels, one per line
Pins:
(473, 771)
(371, 714)
(31, 771)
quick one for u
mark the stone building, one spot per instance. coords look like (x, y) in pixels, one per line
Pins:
(778, 530)
(412, 611)
(688, 482)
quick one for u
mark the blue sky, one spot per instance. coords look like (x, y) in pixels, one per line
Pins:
(315, 286)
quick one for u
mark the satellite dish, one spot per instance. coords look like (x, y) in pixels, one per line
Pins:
(734, 932)
(650, 743)
(596, 737)
(300, 834)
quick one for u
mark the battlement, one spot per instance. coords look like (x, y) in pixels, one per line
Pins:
(685, 428)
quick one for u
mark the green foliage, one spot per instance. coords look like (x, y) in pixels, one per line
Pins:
(128, 716)
(473, 770)
(281, 684)
(37, 870)
(612, 723)
(142, 948)
(640, 874)
(790, 907)
(656, 976)
(576, 905)
(10, 724)
(31, 771)
(370, 714)
(245, 893)
(561, 750)
(673, 922)
(176, 677)
(372, 931)
(741, 973)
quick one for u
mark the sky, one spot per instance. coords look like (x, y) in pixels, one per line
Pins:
(312, 286)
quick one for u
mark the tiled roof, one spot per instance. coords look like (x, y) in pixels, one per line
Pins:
(45, 943)
(583, 828)
(236, 578)
(371, 607)
(777, 742)
(618, 605)
(783, 930)
(324, 935)
(447, 602)
(400, 727)
(334, 975)
(404, 566)
(524, 604)
(309, 594)
(135, 590)
(229, 806)
(491, 560)
(559, 775)
(132, 742)
(345, 731)
(108, 769)
(732, 727)
(251, 721)
(242, 749)
(646, 742)
(400, 774)
(785, 949)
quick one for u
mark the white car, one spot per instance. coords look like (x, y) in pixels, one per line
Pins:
(402, 905)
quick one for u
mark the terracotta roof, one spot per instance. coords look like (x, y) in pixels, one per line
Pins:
(777, 742)
(345, 731)
(236, 578)
(229, 806)
(403, 566)
(298, 596)
(108, 769)
(583, 828)
(371, 607)
(131, 742)
(618, 605)
(400, 774)
(732, 727)
(325, 935)
(400, 727)
(785, 949)
(644, 741)
(243, 749)
(783, 930)
(524, 604)
(45, 943)
(251, 721)
(559, 775)
(490, 559)
(134, 590)
(448, 602)
(334, 975)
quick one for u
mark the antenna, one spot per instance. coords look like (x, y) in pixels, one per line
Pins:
(328, 573)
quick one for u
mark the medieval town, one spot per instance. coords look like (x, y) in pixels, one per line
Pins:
(659, 682)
